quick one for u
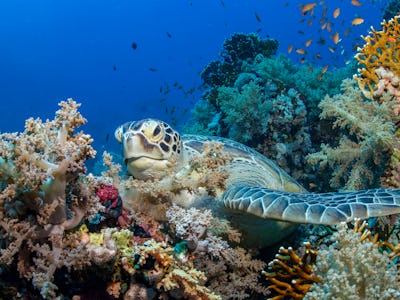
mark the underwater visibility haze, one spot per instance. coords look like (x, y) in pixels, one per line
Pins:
(200, 149)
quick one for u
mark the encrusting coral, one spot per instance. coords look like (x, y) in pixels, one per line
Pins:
(380, 58)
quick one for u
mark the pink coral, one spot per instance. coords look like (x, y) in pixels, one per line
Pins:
(107, 192)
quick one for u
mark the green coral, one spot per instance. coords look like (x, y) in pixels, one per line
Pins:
(366, 139)
(247, 110)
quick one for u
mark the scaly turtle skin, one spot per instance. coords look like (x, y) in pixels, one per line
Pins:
(261, 199)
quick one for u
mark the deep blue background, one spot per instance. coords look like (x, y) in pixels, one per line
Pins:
(52, 50)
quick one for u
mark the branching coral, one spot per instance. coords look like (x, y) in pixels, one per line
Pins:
(359, 159)
(380, 58)
(231, 272)
(170, 274)
(352, 267)
(291, 275)
(44, 195)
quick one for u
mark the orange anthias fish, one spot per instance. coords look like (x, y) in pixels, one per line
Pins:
(308, 7)
(356, 3)
(301, 51)
(290, 48)
(335, 37)
(323, 71)
(308, 43)
(336, 13)
(357, 21)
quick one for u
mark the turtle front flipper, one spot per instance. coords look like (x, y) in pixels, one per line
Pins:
(326, 208)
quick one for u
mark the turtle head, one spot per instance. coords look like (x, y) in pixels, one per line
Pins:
(151, 148)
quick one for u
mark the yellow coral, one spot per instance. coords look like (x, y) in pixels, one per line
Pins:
(290, 274)
(380, 58)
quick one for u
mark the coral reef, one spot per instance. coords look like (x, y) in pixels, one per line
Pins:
(269, 104)
(379, 58)
(353, 267)
(351, 263)
(44, 195)
(366, 139)
(391, 9)
(292, 275)
(237, 49)
(231, 272)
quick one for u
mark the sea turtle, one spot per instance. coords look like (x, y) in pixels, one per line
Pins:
(261, 199)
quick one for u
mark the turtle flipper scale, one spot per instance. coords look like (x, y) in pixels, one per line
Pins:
(325, 208)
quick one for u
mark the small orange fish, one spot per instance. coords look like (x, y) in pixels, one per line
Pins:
(391, 39)
(356, 3)
(336, 13)
(300, 51)
(290, 48)
(357, 21)
(302, 60)
(308, 43)
(335, 37)
(328, 27)
(346, 32)
(324, 69)
(324, 25)
(308, 7)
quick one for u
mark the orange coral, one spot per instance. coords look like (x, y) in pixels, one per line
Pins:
(290, 274)
(380, 58)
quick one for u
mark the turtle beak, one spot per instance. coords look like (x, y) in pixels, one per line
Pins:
(136, 146)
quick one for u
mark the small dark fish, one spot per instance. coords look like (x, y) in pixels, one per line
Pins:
(114, 68)
(134, 46)
(257, 17)
(175, 84)
(169, 35)
(222, 3)
(153, 69)
(259, 30)
(107, 137)
(300, 31)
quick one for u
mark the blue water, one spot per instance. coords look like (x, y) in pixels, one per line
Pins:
(52, 50)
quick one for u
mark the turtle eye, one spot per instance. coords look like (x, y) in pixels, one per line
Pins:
(156, 131)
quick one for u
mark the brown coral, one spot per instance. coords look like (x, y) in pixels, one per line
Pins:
(380, 58)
